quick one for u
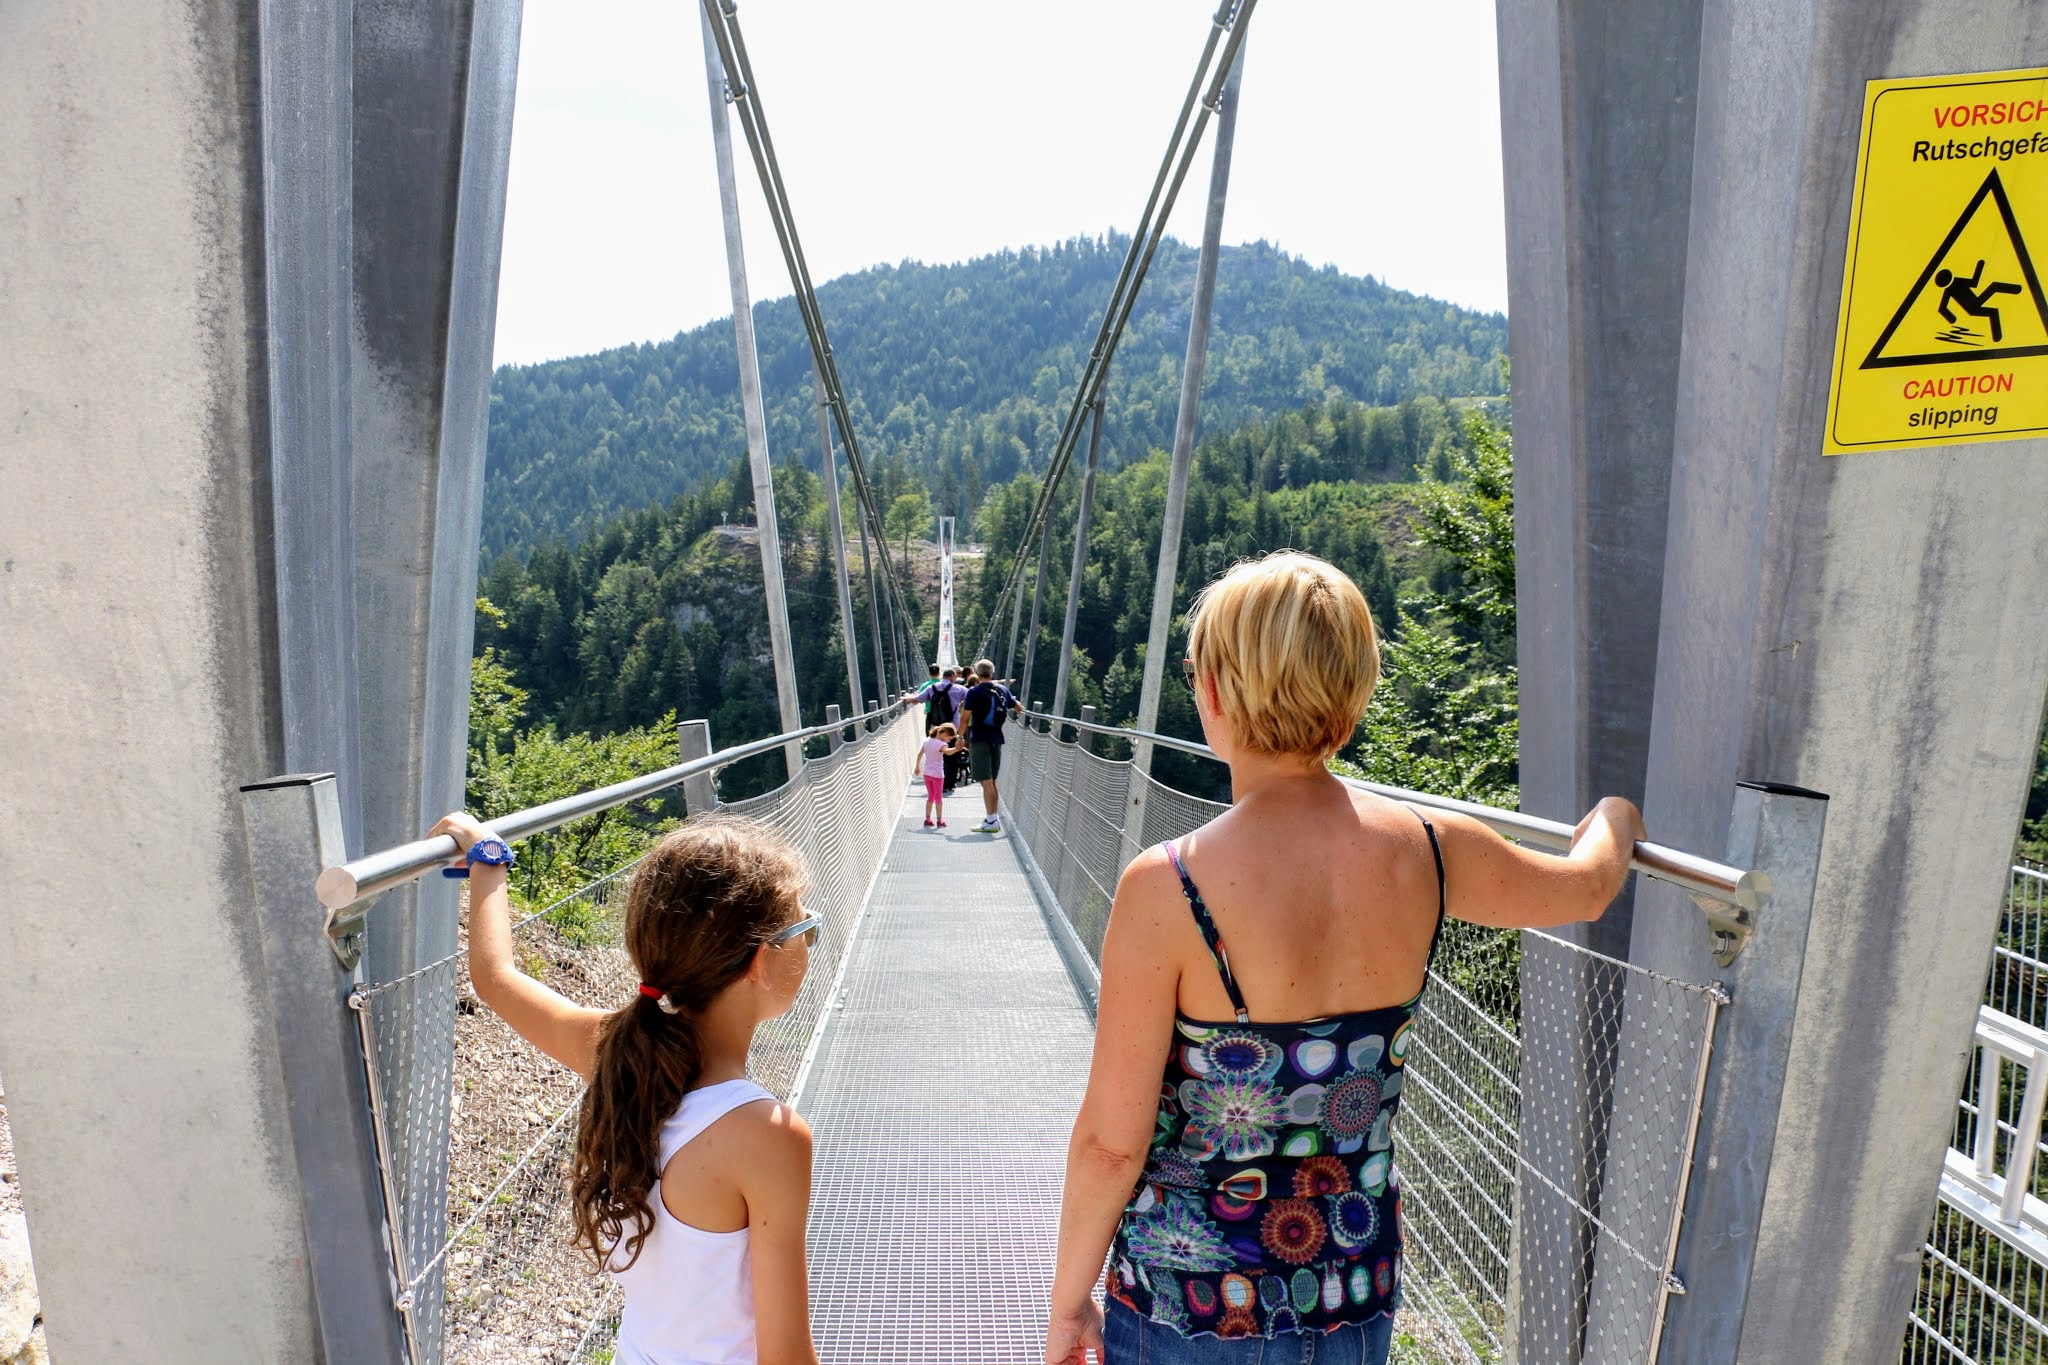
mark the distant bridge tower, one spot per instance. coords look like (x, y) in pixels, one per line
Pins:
(946, 655)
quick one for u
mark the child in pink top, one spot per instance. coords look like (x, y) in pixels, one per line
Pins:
(931, 762)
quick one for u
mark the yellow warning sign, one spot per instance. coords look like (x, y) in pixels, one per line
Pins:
(1943, 336)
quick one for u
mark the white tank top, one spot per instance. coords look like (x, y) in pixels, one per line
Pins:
(690, 1295)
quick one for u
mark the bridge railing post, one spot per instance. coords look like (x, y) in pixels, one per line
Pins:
(837, 738)
(354, 1251)
(1714, 1247)
(700, 793)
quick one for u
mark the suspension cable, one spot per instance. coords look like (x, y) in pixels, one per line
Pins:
(744, 93)
(1227, 29)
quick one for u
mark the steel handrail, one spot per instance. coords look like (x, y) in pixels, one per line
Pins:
(345, 884)
(1695, 875)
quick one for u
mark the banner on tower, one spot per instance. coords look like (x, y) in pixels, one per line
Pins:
(1943, 332)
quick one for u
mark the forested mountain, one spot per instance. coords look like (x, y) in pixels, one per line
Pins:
(960, 375)
(660, 611)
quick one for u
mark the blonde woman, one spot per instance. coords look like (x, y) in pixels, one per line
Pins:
(1233, 1158)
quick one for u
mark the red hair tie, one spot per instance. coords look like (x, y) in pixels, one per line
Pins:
(659, 997)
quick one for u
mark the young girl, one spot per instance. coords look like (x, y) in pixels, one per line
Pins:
(931, 761)
(690, 1182)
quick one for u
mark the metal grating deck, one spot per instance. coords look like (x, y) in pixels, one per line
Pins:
(942, 1099)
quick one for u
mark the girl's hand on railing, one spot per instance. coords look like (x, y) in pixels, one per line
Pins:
(557, 1025)
(465, 829)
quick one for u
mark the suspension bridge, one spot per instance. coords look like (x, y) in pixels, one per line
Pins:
(248, 302)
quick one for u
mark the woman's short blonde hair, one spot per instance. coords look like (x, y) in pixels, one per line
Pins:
(1290, 643)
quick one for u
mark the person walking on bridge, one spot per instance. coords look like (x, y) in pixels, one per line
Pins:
(934, 695)
(1233, 1158)
(956, 694)
(989, 704)
(932, 756)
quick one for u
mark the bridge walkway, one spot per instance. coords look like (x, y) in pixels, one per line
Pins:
(942, 1097)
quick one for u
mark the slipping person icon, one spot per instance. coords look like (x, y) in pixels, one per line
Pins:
(1964, 295)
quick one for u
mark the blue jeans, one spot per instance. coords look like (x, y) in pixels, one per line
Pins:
(1128, 1339)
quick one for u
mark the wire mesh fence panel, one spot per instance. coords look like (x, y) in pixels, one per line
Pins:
(1541, 1185)
(1068, 805)
(1460, 1115)
(600, 1340)
(495, 1278)
(1163, 814)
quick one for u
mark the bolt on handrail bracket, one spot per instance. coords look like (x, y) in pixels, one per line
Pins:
(1730, 924)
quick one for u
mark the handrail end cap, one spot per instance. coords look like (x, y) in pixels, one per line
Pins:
(336, 887)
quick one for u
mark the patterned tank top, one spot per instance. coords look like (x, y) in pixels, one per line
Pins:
(1270, 1202)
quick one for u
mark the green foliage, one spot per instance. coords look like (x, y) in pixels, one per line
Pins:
(1294, 481)
(512, 770)
(1438, 723)
(1444, 719)
(909, 515)
(660, 611)
(1469, 515)
(960, 376)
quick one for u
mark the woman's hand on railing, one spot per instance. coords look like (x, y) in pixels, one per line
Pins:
(1608, 835)
(1505, 885)
(1072, 1333)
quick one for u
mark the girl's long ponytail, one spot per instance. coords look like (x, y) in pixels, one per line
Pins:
(701, 903)
(646, 1062)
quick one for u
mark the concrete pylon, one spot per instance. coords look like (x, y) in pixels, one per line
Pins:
(433, 89)
(1871, 626)
(1597, 105)
(174, 341)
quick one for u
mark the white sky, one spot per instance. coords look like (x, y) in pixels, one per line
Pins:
(937, 130)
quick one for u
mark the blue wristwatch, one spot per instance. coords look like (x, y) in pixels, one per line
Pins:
(490, 850)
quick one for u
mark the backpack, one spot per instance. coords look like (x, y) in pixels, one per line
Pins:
(998, 708)
(938, 705)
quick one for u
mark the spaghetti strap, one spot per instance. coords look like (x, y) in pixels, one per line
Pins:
(1209, 934)
(1436, 851)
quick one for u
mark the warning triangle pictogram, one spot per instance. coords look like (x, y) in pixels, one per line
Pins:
(1978, 299)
